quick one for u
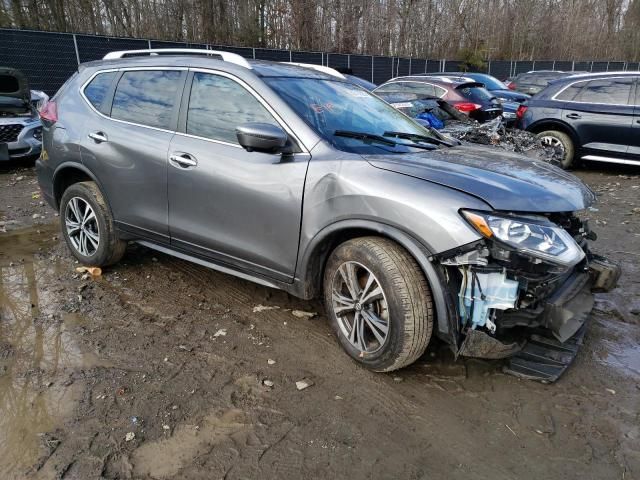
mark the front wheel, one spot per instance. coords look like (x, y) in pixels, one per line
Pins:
(561, 143)
(379, 303)
(88, 227)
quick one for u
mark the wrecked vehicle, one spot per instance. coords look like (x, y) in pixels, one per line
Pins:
(20, 128)
(298, 180)
(465, 95)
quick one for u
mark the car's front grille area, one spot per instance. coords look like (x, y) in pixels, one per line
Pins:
(9, 133)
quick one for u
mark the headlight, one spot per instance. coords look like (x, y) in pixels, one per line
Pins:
(37, 133)
(537, 237)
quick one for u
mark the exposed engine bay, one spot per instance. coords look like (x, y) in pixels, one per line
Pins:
(529, 274)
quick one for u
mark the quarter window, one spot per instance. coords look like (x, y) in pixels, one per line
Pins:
(98, 87)
(218, 105)
(147, 97)
(569, 93)
(606, 91)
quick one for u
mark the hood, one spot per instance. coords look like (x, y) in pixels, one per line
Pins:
(504, 180)
(15, 95)
(511, 95)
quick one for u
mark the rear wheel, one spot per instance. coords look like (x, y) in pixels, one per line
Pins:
(379, 303)
(563, 145)
(88, 227)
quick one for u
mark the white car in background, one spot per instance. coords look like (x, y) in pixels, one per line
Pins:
(20, 127)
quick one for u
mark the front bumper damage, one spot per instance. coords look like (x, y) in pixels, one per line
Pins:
(515, 307)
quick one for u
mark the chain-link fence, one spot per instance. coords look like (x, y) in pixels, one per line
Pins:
(49, 58)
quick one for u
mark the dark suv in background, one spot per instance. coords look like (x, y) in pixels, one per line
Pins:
(535, 81)
(588, 117)
(466, 95)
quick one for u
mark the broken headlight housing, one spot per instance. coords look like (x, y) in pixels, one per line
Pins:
(535, 236)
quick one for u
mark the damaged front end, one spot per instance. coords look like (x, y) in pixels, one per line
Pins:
(525, 289)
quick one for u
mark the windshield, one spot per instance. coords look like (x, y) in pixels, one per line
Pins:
(332, 106)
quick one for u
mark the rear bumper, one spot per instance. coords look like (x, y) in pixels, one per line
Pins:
(45, 182)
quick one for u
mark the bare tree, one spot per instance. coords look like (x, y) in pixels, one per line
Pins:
(502, 29)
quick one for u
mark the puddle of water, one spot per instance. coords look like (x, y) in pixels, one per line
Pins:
(38, 351)
(621, 351)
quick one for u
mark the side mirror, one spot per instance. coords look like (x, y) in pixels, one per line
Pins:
(261, 137)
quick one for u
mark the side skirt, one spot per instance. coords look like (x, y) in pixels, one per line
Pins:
(217, 267)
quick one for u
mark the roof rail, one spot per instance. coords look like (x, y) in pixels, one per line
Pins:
(320, 68)
(226, 56)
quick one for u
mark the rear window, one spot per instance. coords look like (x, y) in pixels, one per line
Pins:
(475, 94)
(606, 91)
(147, 97)
(97, 89)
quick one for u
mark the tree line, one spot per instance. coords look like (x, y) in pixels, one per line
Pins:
(463, 29)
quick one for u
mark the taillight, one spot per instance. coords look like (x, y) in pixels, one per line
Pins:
(521, 111)
(49, 112)
(511, 85)
(467, 107)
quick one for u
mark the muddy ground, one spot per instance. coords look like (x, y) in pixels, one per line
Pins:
(155, 370)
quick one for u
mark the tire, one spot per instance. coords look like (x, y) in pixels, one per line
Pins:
(405, 305)
(562, 140)
(109, 248)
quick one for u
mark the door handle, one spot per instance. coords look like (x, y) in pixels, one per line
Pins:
(98, 137)
(184, 161)
(574, 116)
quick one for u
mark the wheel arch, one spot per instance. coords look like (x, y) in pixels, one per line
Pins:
(68, 173)
(553, 124)
(313, 260)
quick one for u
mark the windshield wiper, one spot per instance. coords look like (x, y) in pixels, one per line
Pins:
(418, 137)
(371, 137)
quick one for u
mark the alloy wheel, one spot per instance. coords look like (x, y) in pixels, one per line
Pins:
(360, 306)
(549, 141)
(82, 226)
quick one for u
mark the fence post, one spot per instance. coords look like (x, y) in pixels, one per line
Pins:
(607, 66)
(553, 67)
(349, 61)
(409, 65)
(573, 66)
(489, 67)
(372, 69)
(254, 53)
(426, 63)
(75, 45)
(290, 56)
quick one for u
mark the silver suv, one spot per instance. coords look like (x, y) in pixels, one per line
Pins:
(298, 180)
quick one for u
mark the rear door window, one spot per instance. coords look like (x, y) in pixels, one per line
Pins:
(217, 105)
(147, 97)
(610, 91)
(97, 88)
